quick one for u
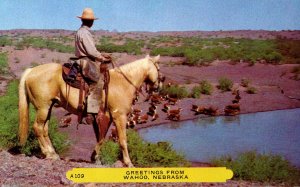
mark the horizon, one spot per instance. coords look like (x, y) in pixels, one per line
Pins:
(153, 15)
(115, 31)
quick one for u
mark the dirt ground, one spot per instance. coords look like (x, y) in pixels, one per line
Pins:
(275, 91)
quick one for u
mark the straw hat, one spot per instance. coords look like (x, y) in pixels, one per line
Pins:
(88, 14)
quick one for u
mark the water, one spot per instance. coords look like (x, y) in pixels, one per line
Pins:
(276, 132)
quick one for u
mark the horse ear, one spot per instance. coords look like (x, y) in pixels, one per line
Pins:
(156, 59)
(147, 56)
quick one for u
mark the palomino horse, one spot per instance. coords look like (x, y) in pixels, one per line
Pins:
(44, 87)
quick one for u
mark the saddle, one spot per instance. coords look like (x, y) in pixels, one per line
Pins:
(73, 76)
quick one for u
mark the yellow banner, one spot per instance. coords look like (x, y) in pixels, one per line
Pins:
(133, 175)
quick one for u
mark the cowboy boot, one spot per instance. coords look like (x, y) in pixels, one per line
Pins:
(94, 99)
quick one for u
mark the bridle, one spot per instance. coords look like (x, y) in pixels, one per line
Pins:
(160, 78)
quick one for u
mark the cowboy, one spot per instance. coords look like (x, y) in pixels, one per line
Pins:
(90, 59)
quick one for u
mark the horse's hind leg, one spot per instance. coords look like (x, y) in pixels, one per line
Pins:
(100, 130)
(40, 127)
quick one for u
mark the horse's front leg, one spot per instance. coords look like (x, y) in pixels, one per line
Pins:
(40, 127)
(120, 122)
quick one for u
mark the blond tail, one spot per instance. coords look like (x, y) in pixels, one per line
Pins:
(23, 109)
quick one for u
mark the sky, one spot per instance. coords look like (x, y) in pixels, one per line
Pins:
(153, 15)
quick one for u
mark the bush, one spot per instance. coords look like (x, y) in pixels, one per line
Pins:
(206, 87)
(9, 126)
(3, 63)
(260, 167)
(245, 82)
(42, 43)
(131, 47)
(196, 92)
(175, 91)
(296, 71)
(143, 154)
(168, 51)
(109, 152)
(251, 90)
(225, 84)
(5, 41)
(200, 51)
(289, 49)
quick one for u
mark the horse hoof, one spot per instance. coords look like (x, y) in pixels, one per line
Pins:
(98, 162)
(130, 165)
(94, 156)
(53, 157)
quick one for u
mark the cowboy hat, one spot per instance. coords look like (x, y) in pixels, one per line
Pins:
(88, 14)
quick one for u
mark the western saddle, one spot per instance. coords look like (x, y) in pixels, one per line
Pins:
(73, 76)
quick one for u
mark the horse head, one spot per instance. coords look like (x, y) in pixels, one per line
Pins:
(155, 79)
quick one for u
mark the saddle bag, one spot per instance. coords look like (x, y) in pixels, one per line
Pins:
(90, 69)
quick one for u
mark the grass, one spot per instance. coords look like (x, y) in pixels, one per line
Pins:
(142, 153)
(9, 126)
(260, 167)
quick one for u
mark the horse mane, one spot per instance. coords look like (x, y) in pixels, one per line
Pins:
(130, 68)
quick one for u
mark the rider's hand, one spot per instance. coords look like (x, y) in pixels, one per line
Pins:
(107, 58)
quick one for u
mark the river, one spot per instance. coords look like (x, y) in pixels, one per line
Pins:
(200, 140)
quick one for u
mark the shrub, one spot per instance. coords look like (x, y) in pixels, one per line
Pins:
(42, 43)
(200, 51)
(5, 41)
(142, 153)
(175, 91)
(245, 82)
(9, 126)
(3, 63)
(225, 84)
(289, 49)
(251, 90)
(196, 92)
(43, 55)
(168, 51)
(130, 46)
(296, 71)
(260, 167)
(17, 60)
(206, 87)
(109, 152)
